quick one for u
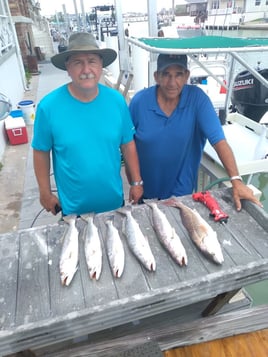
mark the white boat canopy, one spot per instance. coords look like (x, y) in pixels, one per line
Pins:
(204, 45)
(200, 44)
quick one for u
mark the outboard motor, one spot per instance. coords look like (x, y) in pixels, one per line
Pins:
(249, 96)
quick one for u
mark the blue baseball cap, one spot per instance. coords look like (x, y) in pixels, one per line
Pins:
(166, 60)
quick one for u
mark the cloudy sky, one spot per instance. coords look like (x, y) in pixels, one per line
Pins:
(49, 7)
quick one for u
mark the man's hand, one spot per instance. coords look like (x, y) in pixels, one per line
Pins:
(242, 191)
(50, 202)
(135, 193)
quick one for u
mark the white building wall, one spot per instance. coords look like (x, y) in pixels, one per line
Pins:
(240, 11)
(255, 12)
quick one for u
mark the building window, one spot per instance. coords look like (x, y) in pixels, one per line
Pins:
(258, 2)
(215, 4)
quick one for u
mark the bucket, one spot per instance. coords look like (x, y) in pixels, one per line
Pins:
(28, 111)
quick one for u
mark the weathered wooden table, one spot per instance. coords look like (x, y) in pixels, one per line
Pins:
(36, 311)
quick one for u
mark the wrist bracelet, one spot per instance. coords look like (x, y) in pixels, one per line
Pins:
(236, 178)
(136, 183)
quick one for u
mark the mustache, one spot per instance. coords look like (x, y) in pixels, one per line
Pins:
(87, 76)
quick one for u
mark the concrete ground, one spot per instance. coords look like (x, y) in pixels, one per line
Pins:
(19, 197)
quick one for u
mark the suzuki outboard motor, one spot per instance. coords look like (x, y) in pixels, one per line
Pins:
(249, 96)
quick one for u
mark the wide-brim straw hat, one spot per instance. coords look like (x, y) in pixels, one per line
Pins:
(83, 42)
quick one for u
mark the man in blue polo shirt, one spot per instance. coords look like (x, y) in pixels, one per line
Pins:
(173, 120)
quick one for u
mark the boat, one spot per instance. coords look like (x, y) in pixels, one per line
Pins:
(249, 96)
(187, 31)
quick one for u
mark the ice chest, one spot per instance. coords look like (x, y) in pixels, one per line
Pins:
(16, 130)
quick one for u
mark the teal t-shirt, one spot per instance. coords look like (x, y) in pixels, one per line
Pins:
(85, 141)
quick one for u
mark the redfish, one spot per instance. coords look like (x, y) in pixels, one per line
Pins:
(202, 234)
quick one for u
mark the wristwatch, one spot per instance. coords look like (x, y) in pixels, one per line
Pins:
(236, 178)
(136, 183)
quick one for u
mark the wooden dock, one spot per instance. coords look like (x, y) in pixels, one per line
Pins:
(175, 306)
(253, 344)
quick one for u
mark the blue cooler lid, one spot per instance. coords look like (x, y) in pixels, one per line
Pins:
(16, 113)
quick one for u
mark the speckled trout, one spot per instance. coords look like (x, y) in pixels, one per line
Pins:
(115, 249)
(167, 234)
(69, 253)
(92, 247)
(199, 230)
(137, 242)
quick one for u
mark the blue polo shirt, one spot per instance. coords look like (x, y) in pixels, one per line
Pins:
(170, 148)
(85, 140)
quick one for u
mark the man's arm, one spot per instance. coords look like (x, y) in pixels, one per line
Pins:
(48, 200)
(240, 190)
(132, 169)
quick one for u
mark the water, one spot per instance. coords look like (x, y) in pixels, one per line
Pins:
(258, 291)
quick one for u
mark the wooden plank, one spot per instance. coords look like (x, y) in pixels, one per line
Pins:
(257, 213)
(170, 336)
(87, 307)
(9, 244)
(33, 287)
(219, 326)
(218, 302)
(118, 312)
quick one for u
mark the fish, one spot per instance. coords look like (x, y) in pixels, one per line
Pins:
(201, 233)
(138, 243)
(167, 234)
(92, 247)
(69, 254)
(115, 248)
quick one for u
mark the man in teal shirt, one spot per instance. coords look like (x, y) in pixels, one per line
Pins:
(86, 126)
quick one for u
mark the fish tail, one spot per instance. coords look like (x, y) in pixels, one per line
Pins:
(124, 210)
(87, 216)
(150, 201)
(173, 201)
(69, 218)
(110, 219)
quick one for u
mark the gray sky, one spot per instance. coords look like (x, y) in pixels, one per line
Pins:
(49, 7)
